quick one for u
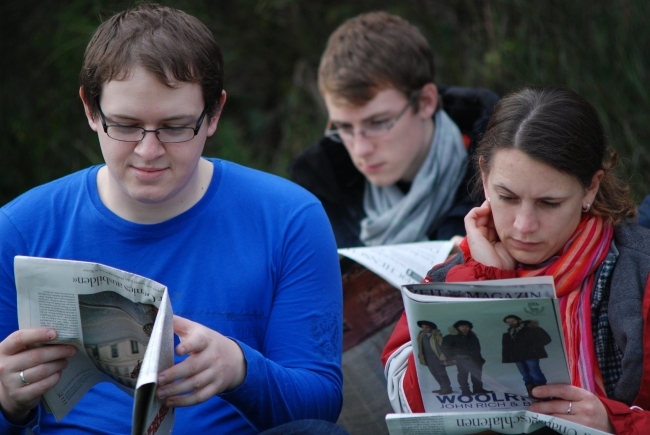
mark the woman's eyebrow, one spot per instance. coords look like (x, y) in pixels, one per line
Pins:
(541, 198)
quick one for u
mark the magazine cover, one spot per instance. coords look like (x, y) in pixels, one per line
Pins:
(484, 354)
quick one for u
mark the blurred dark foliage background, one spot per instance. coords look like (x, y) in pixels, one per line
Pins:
(272, 49)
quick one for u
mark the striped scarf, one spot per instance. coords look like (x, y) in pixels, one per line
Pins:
(573, 272)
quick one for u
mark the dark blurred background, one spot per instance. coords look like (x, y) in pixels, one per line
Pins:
(272, 48)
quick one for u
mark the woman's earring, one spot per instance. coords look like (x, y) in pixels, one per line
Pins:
(488, 198)
(586, 209)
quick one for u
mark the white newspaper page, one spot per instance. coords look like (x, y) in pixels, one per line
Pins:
(107, 314)
(503, 387)
(514, 422)
(406, 263)
(150, 415)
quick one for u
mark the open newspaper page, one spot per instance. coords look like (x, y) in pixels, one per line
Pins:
(120, 323)
(469, 364)
(457, 423)
(372, 276)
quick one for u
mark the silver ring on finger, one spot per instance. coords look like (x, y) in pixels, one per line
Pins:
(22, 377)
(568, 411)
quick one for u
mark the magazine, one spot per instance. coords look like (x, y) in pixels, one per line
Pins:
(372, 277)
(120, 323)
(466, 349)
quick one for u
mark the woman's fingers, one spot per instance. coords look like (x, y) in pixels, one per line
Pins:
(574, 404)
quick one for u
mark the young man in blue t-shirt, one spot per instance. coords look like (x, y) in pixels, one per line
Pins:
(249, 258)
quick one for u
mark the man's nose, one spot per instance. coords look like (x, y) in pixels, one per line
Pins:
(360, 145)
(150, 146)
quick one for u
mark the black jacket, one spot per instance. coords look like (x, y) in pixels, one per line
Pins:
(457, 345)
(326, 170)
(526, 343)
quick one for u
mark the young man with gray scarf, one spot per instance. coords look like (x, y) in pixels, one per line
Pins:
(391, 167)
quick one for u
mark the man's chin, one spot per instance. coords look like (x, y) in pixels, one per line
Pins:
(149, 195)
(380, 180)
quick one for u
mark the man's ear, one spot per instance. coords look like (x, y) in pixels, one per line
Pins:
(428, 102)
(91, 121)
(214, 120)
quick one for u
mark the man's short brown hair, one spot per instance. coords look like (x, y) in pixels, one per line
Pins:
(373, 52)
(169, 43)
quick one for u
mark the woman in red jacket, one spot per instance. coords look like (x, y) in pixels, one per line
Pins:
(555, 207)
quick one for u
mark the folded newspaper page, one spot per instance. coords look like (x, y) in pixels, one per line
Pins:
(466, 423)
(372, 276)
(120, 323)
(481, 347)
(406, 263)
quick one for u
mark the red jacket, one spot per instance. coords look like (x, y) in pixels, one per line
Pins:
(626, 420)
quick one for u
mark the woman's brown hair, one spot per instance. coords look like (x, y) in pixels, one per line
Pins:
(556, 126)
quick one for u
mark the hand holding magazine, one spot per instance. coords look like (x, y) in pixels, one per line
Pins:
(120, 323)
(480, 348)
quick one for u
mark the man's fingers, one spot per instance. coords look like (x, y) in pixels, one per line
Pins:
(44, 354)
(198, 396)
(199, 381)
(191, 335)
(182, 326)
(42, 371)
(185, 369)
(31, 394)
(21, 340)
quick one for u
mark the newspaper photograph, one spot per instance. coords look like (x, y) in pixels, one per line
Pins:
(120, 323)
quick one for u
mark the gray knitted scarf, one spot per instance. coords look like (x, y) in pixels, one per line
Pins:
(395, 217)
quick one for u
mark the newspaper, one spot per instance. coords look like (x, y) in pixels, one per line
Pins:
(461, 423)
(406, 263)
(372, 277)
(502, 400)
(120, 323)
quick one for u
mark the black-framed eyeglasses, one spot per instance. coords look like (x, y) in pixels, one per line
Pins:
(371, 129)
(128, 133)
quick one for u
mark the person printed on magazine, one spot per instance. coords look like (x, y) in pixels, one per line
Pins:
(555, 206)
(392, 166)
(430, 354)
(462, 346)
(523, 344)
(249, 258)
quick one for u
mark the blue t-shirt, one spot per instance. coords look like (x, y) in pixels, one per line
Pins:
(254, 259)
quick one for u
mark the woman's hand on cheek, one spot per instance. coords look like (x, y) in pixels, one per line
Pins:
(573, 404)
(483, 241)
